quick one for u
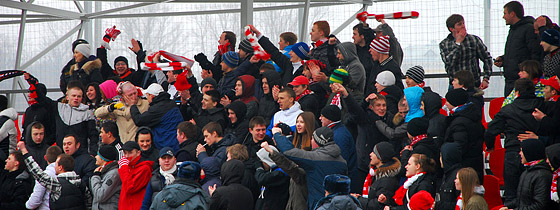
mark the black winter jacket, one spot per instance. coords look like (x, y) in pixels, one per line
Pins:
(447, 194)
(424, 182)
(533, 191)
(232, 195)
(215, 114)
(384, 182)
(16, 187)
(432, 105)
(522, 44)
(84, 164)
(275, 184)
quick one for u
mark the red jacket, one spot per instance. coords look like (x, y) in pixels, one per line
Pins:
(134, 178)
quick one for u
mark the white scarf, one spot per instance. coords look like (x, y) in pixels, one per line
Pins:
(411, 180)
(168, 175)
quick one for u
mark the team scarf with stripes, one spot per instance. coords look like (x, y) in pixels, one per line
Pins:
(401, 192)
(553, 187)
(532, 163)
(362, 16)
(259, 52)
(416, 139)
(177, 62)
(459, 204)
(336, 101)
(367, 182)
(305, 92)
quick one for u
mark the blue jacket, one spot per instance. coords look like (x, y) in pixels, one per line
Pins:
(317, 163)
(162, 117)
(345, 142)
(219, 149)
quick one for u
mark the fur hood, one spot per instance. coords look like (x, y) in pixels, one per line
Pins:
(390, 169)
(88, 67)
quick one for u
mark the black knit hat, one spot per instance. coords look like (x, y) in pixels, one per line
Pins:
(323, 136)
(457, 96)
(533, 149)
(337, 183)
(331, 112)
(245, 45)
(121, 58)
(189, 170)
(416, 73)
(384, 151)
(417, 126)
(209, 80)
(108, 152)
(239, 108)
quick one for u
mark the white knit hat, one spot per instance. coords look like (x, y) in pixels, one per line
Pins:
(386, 78)
(84, 49)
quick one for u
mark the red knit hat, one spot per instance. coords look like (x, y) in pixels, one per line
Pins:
(381, 44)
(552, 82)
(181, 83)
(421, 201)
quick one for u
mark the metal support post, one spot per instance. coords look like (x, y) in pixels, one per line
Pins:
(303, 27)
(246, 14)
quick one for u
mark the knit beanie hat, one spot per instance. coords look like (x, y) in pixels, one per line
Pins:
(416, 73)
(386, 78)
(121, 58)
(331, 112)
(109, 88)
(301, 49)
(77, 42)
(245, 45)
(231, 59)
(239, 108)
(339, 76)
(84, 49)
(457, 97)
(381, 44)
(189, 170)
(337, 183)
(323, 136)
(108, 152)
(209, 80)
(417, 126)
(263, 156)
(421, 201)
(551, 36)
(384, 151)
(533, 149)
(181, 83)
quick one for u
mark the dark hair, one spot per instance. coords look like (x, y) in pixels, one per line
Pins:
(19, 157)
(532, 67)
(290, 92)
(188, 128)
(214, 94)
(257, 120)
(98, 94)
(143, 130)
(524, 86)
(66, 161)
(238, 152)
(212, 127)
(38, 125)
(230, 36)
(52, 153)
(426, 163)
(73, 136)
(289, 37)
(324, 27)
(466, 78)
(3, 102)
(515, 6)
(76, 84)
(267, 66)
(360, 28)
(452, 20)
(111, 127)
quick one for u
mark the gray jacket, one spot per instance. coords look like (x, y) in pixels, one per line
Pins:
(298, 181)
(352, 64)
(106, 187)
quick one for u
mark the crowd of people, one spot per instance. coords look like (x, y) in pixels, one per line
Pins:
(329, 125)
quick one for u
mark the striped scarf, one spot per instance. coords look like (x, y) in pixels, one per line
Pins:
(553, 187)
(305, 92)
(416, 139)
(532, 163)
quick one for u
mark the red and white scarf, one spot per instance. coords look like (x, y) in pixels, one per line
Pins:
(367, 182)
(459, 204)
(305, 92)
(177, 61)
(258, 50)
(336, 101)
(532, 163)
(401, 192)
(416, 139)
(362, 16)
(553, 187)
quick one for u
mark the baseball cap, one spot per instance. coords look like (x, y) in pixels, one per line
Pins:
(130, 145)
(166, 151)
(299, 80)
(153, 89)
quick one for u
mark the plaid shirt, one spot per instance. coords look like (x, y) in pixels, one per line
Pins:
(50, 183)
(465, 56)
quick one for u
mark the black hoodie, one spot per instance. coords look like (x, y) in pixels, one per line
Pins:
(451, 157)
(267, 106)
(432, 106)
(37, 151)
(232, 194)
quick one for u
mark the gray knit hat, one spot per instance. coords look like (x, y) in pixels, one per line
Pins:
(323, 136)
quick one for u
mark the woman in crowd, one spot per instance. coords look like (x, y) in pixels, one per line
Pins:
(305, 125)
(471, 191)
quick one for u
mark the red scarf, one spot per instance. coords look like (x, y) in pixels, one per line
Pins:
(367, 183)
(553, 187)
(532, 163)
(459, 204)
(123, 75)
(305, 92)
(383, 93)
(401, 192)
(317, 44)
(223, 48)
(554, 98)
(336, 101)
(416, 139)
(422, 84)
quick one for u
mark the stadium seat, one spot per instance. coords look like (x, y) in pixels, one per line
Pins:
(492, 191)
(495, 106)
(496, 162)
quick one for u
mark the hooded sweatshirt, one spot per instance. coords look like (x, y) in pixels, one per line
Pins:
(287, 116)
(352, 64)
(232, 194)
(36, 150)
(8, 130)
(413, 96)
(211, 169)
(267, 105)
(432, 106)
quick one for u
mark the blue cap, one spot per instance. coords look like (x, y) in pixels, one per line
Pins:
(301, 49)
(166, 151)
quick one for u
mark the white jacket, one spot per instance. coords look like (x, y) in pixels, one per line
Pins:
(39, 199)
(9, 128)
